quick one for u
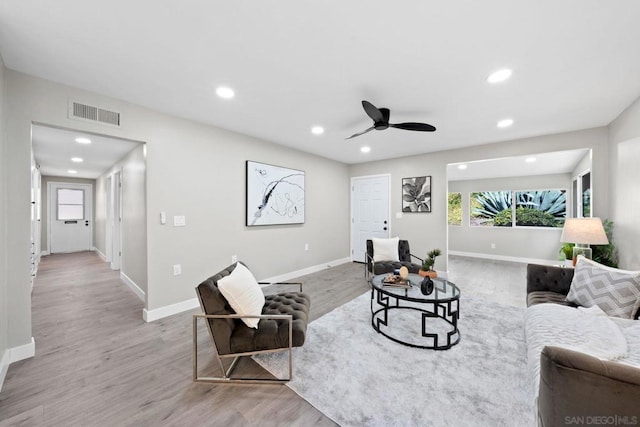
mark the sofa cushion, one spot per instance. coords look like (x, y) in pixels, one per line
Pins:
(272, 333)
(385, 249)
(615, 291)
(541, 297)
(243, 293)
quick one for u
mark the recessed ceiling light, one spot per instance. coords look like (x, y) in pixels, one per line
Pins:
(505, 123)
(365, 149)
(499, 76)
(225, 92)
(77, 159)
(83, 140)
(71, 171)
(462, 167)
(317, 130)
(530, 159)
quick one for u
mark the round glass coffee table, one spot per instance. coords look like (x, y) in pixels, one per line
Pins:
(407, 316)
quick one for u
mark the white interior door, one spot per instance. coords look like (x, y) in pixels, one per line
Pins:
(115, 218)
(370, 212)
(70, 217)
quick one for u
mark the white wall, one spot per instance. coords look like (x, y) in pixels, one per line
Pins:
(624, 136)
(4, 331)
(193, 170)
(134, 215)
(516, 242)
(426, 231)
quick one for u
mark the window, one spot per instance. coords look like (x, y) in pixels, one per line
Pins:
(455, 208)
(70, 204)
(533, 208)
(491, 209)
(541, 208)
(586, 195)
(582, 196)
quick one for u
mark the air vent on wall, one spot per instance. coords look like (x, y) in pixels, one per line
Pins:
(93, 114)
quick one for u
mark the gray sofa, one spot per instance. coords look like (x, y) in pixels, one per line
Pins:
(576, 388)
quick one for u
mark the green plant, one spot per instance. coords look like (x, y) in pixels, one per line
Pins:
(566, 250)
(455, 208)
(606, 254)
(552, 202)
(536, 218)
(430, 259)
(491, 203)
(503, 219)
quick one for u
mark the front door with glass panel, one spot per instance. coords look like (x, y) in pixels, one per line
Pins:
(70, 217)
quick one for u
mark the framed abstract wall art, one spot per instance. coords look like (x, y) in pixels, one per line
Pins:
(275, 195)
(416, 194)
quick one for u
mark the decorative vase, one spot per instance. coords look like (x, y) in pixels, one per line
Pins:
(428, 273)
(426, 287)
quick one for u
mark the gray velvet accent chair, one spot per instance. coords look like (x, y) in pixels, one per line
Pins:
(282, 326)
(383, 267)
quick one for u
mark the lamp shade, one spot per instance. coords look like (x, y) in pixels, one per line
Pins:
(587, 231)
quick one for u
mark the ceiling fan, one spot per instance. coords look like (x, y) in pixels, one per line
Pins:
(380, 117)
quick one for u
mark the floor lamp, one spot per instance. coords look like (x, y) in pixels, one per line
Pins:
(583, 232)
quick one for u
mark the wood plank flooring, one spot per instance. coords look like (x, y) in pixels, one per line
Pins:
(98, 363)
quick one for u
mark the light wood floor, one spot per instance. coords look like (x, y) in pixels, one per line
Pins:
(98, 363)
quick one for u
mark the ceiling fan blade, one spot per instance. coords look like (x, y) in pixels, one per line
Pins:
(385, 114)
(422, 127)
(361, 133)
(373, 112)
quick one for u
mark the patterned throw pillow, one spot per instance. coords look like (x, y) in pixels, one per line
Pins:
(615, 291)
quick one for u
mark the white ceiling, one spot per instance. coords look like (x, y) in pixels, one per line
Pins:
(299, 63)
(53, 149)
(539, 164)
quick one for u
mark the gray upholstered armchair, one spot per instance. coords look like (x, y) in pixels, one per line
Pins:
(405, 258)
(282, 325)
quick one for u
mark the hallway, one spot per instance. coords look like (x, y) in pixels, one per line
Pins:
(98, 363)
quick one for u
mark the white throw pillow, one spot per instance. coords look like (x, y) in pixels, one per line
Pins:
(385, 249)
(243, 293)
(615, 291)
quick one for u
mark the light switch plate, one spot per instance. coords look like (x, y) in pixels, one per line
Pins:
(179, 221)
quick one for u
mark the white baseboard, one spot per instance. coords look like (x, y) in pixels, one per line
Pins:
(22, 352)
(15, 354)
(131, 284)
(505, 258)
(308, 270)
(102, 256)
(44, 253)
(4, 367)
(169, 310)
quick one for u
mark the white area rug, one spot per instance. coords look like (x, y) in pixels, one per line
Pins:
(357, 377)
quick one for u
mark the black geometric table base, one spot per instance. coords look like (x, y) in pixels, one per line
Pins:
(447, 310)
